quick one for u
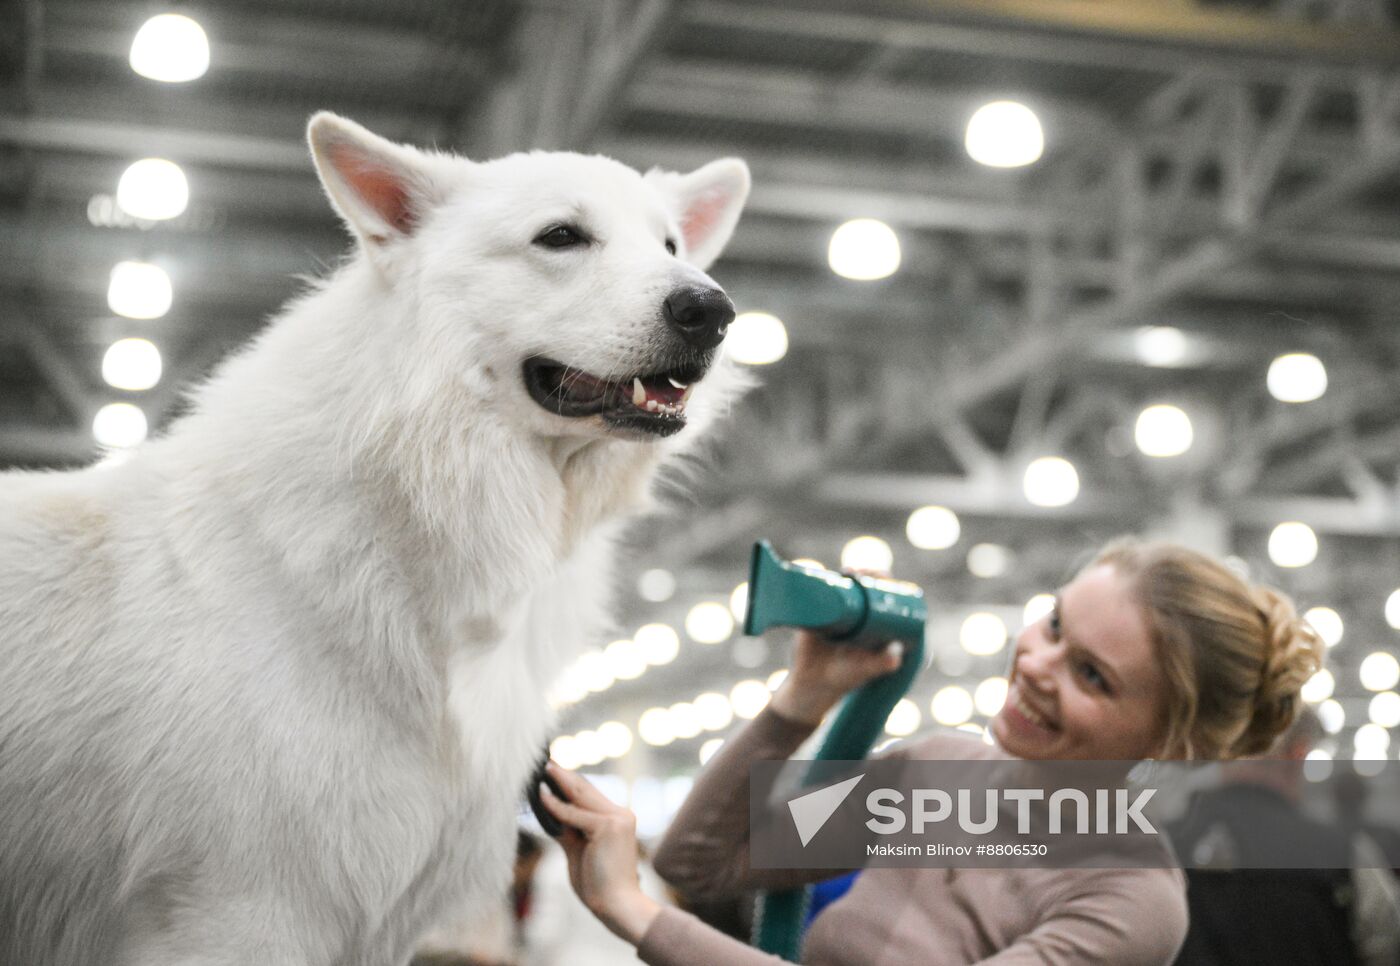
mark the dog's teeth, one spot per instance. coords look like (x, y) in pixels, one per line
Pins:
(639, 392)
(652, 405)
(686, 395)
(678, 385)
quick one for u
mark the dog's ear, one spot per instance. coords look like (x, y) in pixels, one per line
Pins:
(708, 202)
(381, 189)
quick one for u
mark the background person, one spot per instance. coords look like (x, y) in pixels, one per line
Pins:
(1338, 907)
(1153, 650)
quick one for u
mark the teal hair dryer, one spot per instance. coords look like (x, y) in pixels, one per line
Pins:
(855, 610)
(852, 610)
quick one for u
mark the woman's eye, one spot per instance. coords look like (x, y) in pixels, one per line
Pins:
(1092, 675)
(1054, 624)
(670, 247)
(561, 236)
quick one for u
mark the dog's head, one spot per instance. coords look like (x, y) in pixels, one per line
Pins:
(568, 292)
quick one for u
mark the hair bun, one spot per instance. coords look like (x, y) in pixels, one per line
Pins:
(1293, 653)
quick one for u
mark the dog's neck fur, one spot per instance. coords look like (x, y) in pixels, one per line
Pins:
(396, 487)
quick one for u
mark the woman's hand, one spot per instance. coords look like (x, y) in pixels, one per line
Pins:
(822, 673)
(600, 840)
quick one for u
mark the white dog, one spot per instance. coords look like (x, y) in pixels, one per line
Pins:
(270, 690)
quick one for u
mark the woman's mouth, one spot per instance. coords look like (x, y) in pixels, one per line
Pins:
(1026, 717)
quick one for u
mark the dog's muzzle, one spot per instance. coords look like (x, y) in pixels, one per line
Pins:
(647, 404)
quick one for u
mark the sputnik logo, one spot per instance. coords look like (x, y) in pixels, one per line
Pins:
(810, 811)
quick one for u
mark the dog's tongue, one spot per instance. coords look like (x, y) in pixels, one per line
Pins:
(661, 389)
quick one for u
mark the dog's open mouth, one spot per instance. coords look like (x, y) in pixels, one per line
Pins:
(652, 403)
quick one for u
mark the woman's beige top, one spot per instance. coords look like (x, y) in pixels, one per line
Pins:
(904, 917)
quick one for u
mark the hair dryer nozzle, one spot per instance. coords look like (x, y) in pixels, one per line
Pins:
(861, 611)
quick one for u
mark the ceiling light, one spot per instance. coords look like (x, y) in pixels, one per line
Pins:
(1392, 609)
(1163, 431)
(864, 249)
(933, 528)
(568, 689)
(564, 751)
(656, 586)
(748, 698)
(982, 633)
(154, 189)
(1051, 481)
(708, 749)
(1005, 134)
(709, 622)
(1385, 709)
(1327, 623)
(171, 48)
(593, 670)
(589, 748)
(685, 720)
(1292, 545)
(132, 364)
(903, 719)
(625, 659)
(1317, 765)
(739, 601)
(654, 727)
(1380, 671)
(1036, 608)
(867, 553)
(990, 696)
(139, 290)
(1298, 377)
(714, 710)
(1160, 345)
(951, 705)
(756, 339)
(659, 643)
(616, 739)
(1371, 741)
(119, 425)
(1319, 687)
(1332, 715)
(988, 560)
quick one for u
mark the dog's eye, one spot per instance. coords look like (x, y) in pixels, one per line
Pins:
(561, 236)
(670, 247)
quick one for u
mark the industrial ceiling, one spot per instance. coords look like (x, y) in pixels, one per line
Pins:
(1227, 170)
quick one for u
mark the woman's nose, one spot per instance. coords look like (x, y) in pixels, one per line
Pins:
(1036, 659)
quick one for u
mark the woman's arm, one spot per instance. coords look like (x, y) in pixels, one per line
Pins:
(1124, 917)
(705, 852)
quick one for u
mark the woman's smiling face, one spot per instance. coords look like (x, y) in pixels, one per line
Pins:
(1084, 681)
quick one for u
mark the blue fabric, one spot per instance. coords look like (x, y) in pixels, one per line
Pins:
(825, 893)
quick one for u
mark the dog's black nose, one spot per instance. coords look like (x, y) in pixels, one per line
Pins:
(700, 315)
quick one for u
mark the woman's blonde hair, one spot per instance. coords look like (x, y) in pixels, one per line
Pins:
(1235, 655)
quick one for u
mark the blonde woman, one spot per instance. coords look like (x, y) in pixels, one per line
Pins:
(1152, 651)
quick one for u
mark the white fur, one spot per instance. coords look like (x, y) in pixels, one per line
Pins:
(271, 689)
